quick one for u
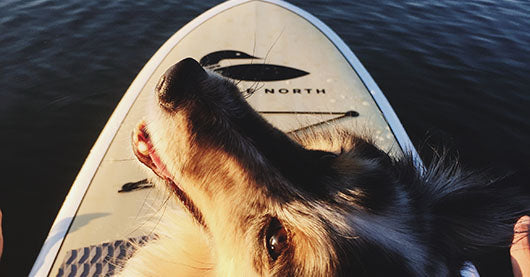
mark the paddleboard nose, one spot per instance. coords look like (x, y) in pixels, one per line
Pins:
(178, 81)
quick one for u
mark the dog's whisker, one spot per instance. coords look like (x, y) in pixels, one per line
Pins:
(163, 209)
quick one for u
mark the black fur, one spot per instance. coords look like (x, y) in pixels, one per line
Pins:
(444, 215)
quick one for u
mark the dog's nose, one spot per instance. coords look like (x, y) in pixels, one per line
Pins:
(179, 81)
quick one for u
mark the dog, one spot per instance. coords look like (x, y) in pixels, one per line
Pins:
(325, 202)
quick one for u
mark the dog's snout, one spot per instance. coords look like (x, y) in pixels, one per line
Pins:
(179, 81)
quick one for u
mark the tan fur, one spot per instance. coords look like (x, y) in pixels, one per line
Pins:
(181, 250)
(184, 249)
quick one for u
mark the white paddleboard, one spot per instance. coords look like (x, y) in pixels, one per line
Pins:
(293, 69)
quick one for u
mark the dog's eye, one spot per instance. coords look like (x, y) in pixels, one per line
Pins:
(276, 239)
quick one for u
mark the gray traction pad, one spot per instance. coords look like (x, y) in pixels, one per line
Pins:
(99, 260)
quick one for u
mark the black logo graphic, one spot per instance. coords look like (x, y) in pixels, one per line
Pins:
(249, 72)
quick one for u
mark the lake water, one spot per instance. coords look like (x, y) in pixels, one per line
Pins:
(456, 72)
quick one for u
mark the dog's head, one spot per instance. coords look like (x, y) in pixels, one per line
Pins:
(324, 202)
(271, 202)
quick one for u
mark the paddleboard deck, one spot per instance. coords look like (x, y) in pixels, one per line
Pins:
(291, 67)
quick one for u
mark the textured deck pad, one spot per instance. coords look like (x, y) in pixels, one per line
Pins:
(101, 259)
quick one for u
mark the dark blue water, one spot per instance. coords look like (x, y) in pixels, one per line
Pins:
(456, 72)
